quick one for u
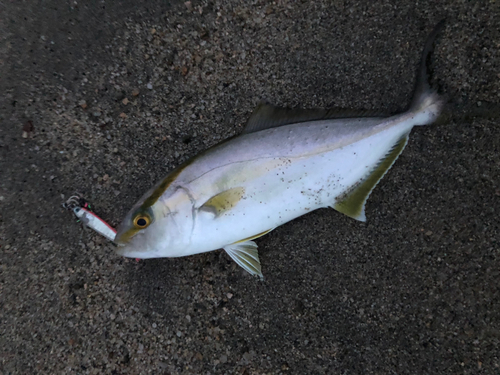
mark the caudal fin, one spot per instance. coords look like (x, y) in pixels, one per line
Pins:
(425, 109)
(426, 101)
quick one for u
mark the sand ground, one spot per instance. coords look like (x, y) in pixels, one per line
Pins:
(121, 93)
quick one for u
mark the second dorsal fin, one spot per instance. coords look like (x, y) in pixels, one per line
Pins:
(267, 116)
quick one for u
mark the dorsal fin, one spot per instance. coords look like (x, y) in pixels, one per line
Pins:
(267, 116)
(353, 203)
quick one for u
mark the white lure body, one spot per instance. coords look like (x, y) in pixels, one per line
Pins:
(95, 222)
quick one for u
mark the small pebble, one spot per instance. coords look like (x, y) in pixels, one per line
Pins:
(149, 86)
(27, 128)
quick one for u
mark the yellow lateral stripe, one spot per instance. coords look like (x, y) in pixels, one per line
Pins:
(167, 181)
(165, 184)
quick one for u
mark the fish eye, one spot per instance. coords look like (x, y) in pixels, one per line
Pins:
(142, 221)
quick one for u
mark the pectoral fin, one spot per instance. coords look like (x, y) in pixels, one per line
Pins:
(353, 202)
(245, 254)
(224, 201)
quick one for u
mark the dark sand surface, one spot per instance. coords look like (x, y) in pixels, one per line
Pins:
(121, 93)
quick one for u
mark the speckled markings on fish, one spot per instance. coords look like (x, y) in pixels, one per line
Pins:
(285, 164)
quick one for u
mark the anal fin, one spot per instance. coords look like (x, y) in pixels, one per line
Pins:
(353, 202)
(245, 254)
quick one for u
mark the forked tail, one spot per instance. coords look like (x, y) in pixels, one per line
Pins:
(427, 104)
(425, 109)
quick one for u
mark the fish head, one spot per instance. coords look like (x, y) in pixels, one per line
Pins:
(159, 225)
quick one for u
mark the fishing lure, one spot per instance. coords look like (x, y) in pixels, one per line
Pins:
(82, 210)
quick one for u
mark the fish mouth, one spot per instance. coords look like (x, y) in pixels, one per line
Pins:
(127, 252)
(121, 249)
(119, 240)
(122, 245)
(124, 235)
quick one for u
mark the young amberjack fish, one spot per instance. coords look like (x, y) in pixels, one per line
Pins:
(285, 164)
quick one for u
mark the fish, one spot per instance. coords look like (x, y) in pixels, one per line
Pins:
(285, 164)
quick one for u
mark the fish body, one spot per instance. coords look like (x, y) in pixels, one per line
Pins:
(285, 164)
